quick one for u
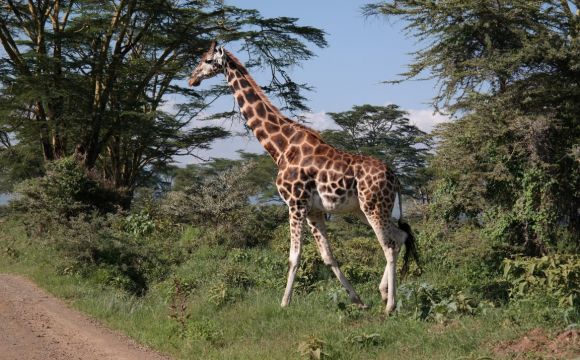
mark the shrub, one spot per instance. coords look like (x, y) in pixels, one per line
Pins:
(99, 247)
(139, 224)
(179, 306)
(313, 348)
(216, 200)
(66, 190)
(364, 341)
(232, 282)
(205, 329)
(426, 302)
(555, 277)
(362, 259)
(220, 206)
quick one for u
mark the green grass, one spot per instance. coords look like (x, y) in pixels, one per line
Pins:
(252, 325)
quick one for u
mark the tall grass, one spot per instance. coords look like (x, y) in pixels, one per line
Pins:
(223, 303)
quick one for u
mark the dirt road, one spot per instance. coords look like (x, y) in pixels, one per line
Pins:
(35, 325)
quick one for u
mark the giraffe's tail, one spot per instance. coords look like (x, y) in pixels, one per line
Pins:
(411, 251)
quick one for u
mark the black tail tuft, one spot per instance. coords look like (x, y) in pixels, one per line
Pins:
(410, 248)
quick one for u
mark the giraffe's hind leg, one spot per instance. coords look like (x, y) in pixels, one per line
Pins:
(390, 238)
(318, 229)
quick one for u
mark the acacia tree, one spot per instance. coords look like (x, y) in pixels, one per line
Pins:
(89, 78)
(510, 71)
(385, 133)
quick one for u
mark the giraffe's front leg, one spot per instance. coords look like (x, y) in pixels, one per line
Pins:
(297, 215)
(318, 229)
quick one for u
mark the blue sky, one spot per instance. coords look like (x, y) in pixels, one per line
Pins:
(361, 53)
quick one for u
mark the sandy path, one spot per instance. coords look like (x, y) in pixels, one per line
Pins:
(35, 325)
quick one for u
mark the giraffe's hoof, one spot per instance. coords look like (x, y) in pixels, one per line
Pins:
(359, 304)
(390, 309)
(362, 306)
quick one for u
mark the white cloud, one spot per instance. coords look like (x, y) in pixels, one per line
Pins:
(320, 121)
(425, 119)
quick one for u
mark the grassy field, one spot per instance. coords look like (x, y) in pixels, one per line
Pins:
(223, 303)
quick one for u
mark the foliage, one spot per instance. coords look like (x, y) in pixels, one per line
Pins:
(364, 340)
(178, 307)
(18, 163)
(66, 190)
(77, 215)
(231, 284)
(261, 179)
(220, 204)
(509, 72)
(140, 224)
(206, 330)
(313, 349)
(93, 78)
(243, 325)
(428, 303)
(216, 199)
(99, 246)
(555, 277)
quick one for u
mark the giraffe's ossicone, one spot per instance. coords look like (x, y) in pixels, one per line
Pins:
(314, 178)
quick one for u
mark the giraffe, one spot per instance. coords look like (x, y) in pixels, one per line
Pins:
(314, 178)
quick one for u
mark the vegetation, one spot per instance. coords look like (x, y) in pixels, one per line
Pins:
(509, 72)
(198, 271)
(90, 79)
(201, 272)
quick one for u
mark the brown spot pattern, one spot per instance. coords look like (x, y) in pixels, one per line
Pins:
(308, 166)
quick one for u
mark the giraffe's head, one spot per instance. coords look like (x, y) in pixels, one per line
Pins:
(211, 64)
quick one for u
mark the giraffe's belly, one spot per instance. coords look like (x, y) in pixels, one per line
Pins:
(331, 203)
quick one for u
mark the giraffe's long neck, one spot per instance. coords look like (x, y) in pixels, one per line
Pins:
(272, 129)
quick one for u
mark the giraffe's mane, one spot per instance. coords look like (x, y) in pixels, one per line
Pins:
(260, 93)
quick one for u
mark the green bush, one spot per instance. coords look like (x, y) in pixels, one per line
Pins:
(205, 329)
(427, 302)
(231, 283)
(220, 207)
(106, 249)
(250, 226)
(139, 224)
(555, 277)
(66, 190)
(313, 348)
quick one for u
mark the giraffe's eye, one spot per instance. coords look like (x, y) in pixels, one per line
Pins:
(209, 61)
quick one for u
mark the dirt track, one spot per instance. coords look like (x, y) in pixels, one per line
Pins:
(35, 325)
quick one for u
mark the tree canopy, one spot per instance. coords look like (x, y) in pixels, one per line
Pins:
(510, 72)
(90, 78)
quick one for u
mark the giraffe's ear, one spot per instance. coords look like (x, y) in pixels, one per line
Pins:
(212, 47)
